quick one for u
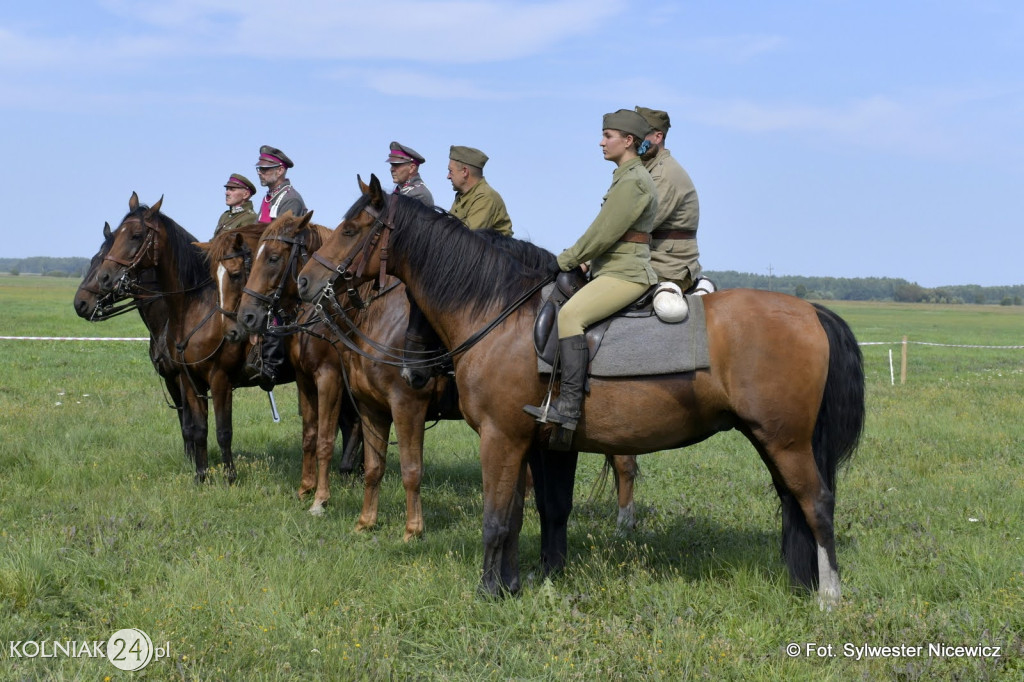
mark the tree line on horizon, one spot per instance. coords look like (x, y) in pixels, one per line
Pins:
(816, 288)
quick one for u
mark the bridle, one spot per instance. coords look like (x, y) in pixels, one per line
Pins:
(297, 254)
(124, 283)
(379, 233)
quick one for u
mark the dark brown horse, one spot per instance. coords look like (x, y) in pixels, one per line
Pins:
(92, 305)
(785, 373)
(149, 240)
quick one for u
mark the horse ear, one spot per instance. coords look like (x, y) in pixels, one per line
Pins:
(305, 221)
(156, 207)
(363, 187)
(376, 193)
(239, 241)
(204, 246)
(133, 202)
(106, 231)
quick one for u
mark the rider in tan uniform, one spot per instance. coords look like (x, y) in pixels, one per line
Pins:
(238, 193)
(476, 204)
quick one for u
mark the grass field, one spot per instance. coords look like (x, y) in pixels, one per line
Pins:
(101, 528)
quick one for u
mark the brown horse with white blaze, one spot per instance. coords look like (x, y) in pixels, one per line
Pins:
(785, 373)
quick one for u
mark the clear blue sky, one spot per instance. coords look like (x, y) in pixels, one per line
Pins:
(830, 138)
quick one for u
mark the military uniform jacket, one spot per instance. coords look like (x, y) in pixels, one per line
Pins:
(629, 204)
(481, 208)
(285, 198)
(236, 216)
(415, 188)
(678, 209)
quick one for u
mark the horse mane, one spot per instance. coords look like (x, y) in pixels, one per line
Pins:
(224, 243)
(460, 267)
(193, 271)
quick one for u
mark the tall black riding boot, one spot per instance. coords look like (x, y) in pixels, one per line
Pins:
(272, 354)
(565, 410)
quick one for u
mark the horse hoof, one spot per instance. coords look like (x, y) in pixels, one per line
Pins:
(317, 510)
(200, 477)
(231, 475)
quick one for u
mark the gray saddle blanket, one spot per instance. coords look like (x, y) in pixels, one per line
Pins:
(646, 346)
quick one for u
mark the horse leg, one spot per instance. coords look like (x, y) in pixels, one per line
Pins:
(409, 426)
(554, 477)
(308, 410)
(196, 430)
(328, 405)
(351, 436)
(220, 387)
(808, 508)
(626, 470)
(504, 485)
(376, 429)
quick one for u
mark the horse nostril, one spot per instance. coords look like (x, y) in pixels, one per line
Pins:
(249, 320)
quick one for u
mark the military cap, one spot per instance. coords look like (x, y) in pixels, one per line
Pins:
(402, 154)
(628, 122)
(658, 119)
(468, 156)
(271, 156)
(239, 180)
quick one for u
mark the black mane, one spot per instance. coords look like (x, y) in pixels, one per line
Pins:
(460, 267)
(192, 267)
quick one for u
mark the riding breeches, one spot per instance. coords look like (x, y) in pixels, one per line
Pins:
(598, 299)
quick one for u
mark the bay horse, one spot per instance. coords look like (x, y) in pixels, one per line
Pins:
(785, 373)
(147, 239)
(235, 258)
(383, 396)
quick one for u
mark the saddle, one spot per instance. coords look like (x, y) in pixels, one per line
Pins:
(545, 328)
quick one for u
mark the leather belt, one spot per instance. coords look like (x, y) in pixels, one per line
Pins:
(674, 234)
(636, 237)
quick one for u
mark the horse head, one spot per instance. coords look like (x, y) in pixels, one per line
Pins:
(351, 251)
(135, 245)
(230, 256)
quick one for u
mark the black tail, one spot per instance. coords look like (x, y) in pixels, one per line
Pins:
(836, 434)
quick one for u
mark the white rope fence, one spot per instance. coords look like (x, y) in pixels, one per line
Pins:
(74, 338)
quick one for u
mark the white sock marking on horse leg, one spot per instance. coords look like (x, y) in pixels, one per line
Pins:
(828, 582)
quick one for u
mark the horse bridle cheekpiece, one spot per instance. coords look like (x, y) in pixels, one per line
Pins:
(379, 233)
(298, 247)
(124, 283)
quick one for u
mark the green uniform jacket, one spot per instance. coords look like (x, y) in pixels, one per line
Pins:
(630, 204)
(481, 207)
(237, 216)
(674, 259)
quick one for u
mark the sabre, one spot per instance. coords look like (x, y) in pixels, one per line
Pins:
(273, 407)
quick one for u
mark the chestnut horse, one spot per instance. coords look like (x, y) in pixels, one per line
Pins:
(785, 373)
(147, 239)
(235, 257)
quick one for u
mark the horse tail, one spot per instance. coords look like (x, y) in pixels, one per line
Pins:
(836, 434)
(841, 416)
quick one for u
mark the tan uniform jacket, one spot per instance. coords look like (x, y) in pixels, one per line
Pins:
(629, 204)
(481, 207)
(678, 209)
(236, 216)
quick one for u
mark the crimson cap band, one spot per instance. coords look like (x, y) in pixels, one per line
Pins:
(239, 180)
(402, 154)
(271, 156)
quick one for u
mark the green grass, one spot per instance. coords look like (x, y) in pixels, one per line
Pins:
(101, 528)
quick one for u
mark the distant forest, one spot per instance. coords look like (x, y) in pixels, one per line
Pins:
(817, 288)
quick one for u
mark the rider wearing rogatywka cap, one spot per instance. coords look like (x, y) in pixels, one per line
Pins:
(405, 172)
(238, 193)
(281, 197)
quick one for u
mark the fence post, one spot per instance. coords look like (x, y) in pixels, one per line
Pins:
(903, 362)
